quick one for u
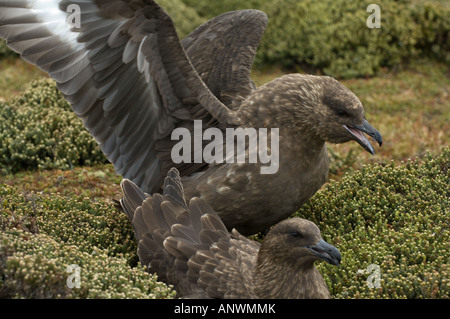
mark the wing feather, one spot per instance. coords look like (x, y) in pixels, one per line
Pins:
(227, 71)
(124, 61)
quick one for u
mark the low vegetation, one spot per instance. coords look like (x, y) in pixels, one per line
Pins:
(392, 217)
(39, 130)
(42, 236)
(332, 37)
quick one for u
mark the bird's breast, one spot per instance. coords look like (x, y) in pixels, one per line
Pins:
(250, 201)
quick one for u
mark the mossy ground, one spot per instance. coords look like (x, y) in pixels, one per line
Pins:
(42, 235)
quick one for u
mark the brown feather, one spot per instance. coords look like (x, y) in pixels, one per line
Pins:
(205, 261)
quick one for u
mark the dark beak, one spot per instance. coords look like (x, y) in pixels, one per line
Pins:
(327, 252)
(357, 132)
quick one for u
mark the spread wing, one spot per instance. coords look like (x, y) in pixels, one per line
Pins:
(189, 247)
(223, 50)
(122, 68)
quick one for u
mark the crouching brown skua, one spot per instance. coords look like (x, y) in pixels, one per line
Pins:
(189, 247)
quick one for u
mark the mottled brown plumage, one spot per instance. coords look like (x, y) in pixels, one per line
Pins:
(132, 82)
(190, 248)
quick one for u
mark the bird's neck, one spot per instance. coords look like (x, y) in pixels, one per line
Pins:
(275, 279)
(306, 154)
(297, 133)
(267, 108)
(301, 141)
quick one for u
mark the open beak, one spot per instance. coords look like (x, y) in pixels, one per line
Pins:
(357, 132)
(327, 252)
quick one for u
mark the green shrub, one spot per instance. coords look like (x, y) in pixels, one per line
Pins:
(6, 52)
(434, 24)
(332, 36)
(393, 217)
(39, 130)
(41, 236)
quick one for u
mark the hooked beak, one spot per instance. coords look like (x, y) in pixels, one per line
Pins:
(357, 132)
(326, 252)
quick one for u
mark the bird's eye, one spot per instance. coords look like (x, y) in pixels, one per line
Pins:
(342, 113)
(296, 234)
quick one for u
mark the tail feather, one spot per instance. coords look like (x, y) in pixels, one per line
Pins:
(132, 199)
(153, 213)
(173, 187)
(188, 247)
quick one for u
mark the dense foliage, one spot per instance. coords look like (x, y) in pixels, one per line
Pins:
(41, 236)
(333, 36)
(39, 130)
(396, 218)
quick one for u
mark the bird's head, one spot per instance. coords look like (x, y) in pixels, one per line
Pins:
(341, 116)
(298, 242)
(319, 107)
